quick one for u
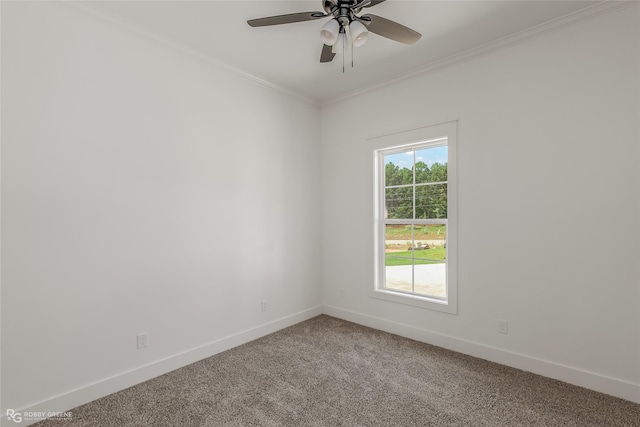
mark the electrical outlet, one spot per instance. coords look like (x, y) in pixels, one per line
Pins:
(341, 293)
(141, 340)
(264, 305)
(503, 326)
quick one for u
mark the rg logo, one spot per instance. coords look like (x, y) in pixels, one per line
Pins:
(14, 416)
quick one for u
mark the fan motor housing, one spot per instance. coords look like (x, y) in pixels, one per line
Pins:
(330, 6)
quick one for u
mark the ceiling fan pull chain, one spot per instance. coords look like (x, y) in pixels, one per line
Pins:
(351, 53)
(344, 42)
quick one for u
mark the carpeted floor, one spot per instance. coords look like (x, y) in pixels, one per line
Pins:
(328, 372)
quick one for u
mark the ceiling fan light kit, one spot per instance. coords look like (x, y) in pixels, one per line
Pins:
(359, 33)
(345, 25)
(330, 31)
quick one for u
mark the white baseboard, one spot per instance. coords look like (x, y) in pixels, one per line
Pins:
(593, 381)
(71, 399)
(106, 386)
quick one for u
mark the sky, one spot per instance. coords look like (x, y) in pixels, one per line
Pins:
(426, 155)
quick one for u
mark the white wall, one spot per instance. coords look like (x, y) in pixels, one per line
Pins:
(143, 190)
(548, 203)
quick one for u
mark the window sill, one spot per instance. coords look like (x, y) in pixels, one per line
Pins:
(414, 300)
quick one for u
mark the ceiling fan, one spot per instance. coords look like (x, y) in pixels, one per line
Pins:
(345, 25)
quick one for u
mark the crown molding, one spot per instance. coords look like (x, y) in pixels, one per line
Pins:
(115, 19)
(548, 27)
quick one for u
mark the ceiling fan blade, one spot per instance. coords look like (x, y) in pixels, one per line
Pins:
(374, 2)
(326, 55)
(286, 19)
(390, 29)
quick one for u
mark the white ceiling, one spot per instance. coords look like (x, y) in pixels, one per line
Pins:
(288, 55)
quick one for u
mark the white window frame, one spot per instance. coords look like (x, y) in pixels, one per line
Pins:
(434, 135)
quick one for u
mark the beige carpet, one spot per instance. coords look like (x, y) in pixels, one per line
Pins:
(328, 372)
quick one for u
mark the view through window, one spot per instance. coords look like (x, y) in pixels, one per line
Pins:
(415, 219)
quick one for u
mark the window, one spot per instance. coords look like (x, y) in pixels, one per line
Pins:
(414, 212)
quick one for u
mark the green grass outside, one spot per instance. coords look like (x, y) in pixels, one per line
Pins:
(427, 232)
(425, 256)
